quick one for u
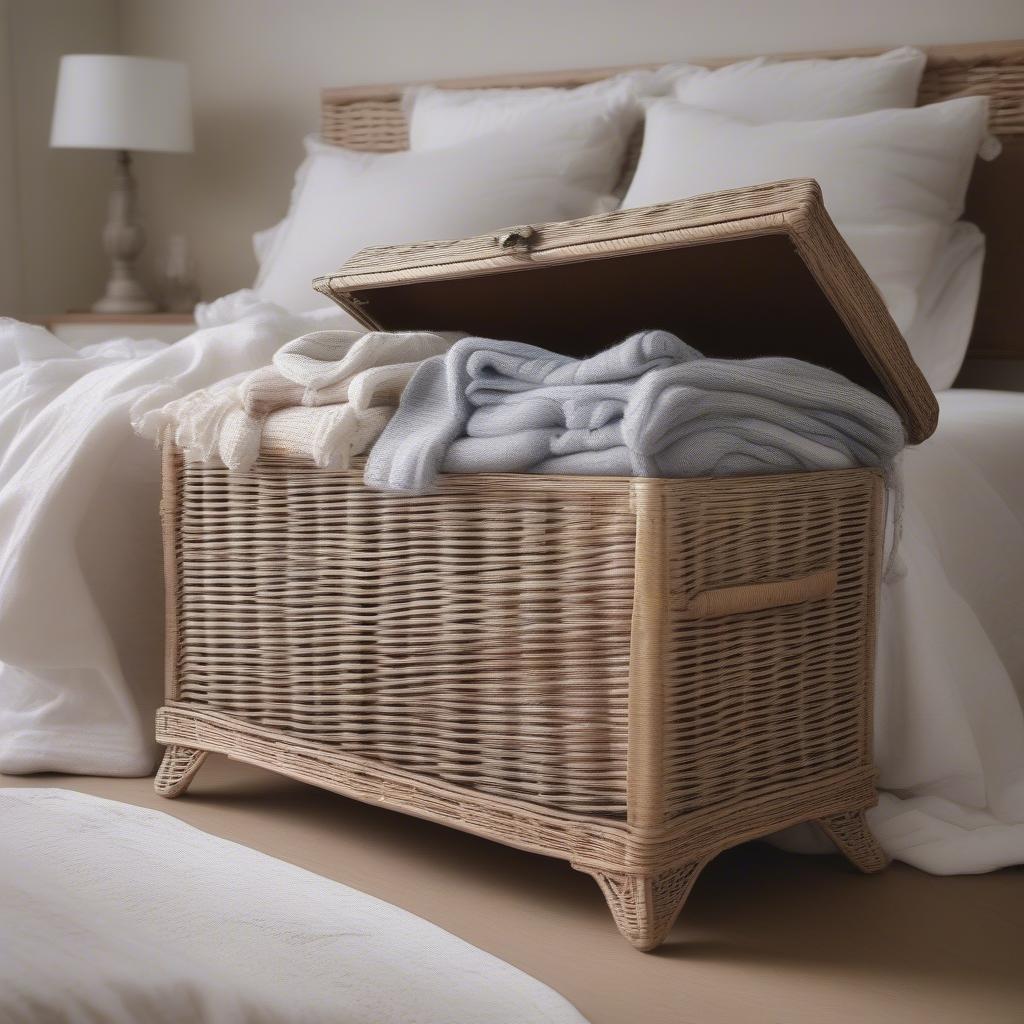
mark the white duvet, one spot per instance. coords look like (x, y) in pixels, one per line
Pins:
(117, 914)
(81, 587)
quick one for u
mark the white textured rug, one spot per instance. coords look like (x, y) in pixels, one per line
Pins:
(115, 913)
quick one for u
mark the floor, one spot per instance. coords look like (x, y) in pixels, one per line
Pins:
(766, 938)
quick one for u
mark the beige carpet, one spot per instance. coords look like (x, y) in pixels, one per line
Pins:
(766, 936)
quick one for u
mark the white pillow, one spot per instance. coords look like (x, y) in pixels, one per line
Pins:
(452, 116)
(758, 90)
(345, 201)
(805, 90)
(893, 181)
(941, 331)
(447, 117)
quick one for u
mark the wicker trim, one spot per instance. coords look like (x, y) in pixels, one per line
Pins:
(731, 213)
(852, 293)
(648, 659)
(589, 844)
(169, 510)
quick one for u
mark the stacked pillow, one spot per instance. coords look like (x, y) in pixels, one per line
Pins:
(559, 162)
(762, 90)
(447, 117)
(894, 179)
(757, 90)
(893, 176)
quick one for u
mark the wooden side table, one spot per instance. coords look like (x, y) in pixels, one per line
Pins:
(79, 329)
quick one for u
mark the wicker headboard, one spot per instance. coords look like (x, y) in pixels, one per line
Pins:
(370, 118)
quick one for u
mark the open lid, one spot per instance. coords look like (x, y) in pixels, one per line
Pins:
(748, 272)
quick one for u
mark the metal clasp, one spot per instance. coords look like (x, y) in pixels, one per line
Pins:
(517, 238)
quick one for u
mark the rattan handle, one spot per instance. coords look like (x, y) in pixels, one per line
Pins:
(755, 597)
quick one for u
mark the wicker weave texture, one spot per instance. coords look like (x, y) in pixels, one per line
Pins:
(1000, 77)
(591, 844)
(767, 700)
(645, 907)
(480, 637)
(488, 636)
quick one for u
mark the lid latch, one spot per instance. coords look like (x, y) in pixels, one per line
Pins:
(517, 238)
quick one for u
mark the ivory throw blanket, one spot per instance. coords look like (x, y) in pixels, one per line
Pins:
(649, 406)
(326, 396)
(119, 914)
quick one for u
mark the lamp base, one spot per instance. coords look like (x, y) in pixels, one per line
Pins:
(124, 297)
(123, 239)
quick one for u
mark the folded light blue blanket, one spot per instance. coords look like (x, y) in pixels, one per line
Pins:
(648, 406)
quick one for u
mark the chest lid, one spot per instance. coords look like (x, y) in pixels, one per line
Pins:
(749, 272)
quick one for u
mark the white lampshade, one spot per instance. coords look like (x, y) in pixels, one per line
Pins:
(107, 102)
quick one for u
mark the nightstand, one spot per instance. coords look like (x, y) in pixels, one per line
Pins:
(79, 329)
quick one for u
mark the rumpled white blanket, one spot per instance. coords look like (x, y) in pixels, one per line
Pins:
(81, 615)
(124, 915)
(648, 406)
(329, 367)
(326, 396)
(949, 725)
(81, 590)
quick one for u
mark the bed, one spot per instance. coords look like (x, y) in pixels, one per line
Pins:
(77, 526)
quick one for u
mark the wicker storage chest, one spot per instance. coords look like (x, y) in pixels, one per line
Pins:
(632, 674)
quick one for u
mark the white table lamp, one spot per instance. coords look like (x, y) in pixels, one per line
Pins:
(122, 103)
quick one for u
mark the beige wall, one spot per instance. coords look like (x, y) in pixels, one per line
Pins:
(10, 232)
(257, 65)
(58, 197)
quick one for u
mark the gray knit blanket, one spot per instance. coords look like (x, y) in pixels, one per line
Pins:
(648, 406)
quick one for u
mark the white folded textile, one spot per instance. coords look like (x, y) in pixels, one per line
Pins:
(329, 436)
(327, 367)
(197, 417)
(347, 382)
(124, 915)
(648, 406)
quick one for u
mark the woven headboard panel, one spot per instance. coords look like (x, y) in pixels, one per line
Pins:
(370, 118)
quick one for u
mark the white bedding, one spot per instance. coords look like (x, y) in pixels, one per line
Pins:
(80, 566)
(81, 590)
(949, 732)
(120, 914)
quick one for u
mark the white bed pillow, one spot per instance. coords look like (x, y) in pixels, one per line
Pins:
(763, 90)
(893, 181)
(758, 90)
(447, 117)
(345, 201)
(941, 331)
